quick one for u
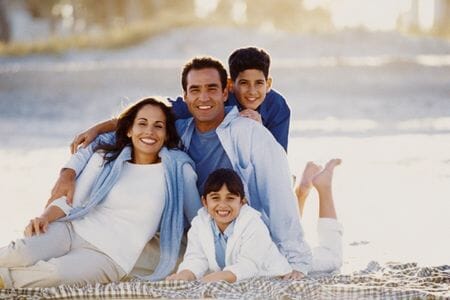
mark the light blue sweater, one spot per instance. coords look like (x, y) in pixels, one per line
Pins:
(263, 166)
(172, 221)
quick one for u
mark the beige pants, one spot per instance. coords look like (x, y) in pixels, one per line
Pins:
(59, 256)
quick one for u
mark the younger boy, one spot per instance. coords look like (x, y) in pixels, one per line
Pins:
(228, 240)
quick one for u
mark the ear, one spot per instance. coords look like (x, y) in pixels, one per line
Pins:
(268, 84)
(230, 85)
(203, 201)
(225, 94)
(129, 134)
(244, 201)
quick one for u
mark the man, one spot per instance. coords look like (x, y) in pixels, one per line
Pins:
(217, 137)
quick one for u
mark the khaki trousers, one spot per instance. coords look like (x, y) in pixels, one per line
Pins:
(59, 256)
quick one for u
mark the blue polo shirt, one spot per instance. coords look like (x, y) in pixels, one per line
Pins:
(220, 241)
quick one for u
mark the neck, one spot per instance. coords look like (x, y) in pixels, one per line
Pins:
(145, 160)
(209, 125)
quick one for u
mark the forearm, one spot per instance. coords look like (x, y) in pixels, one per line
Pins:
(105, 126)
(53, 213)
(228, 276)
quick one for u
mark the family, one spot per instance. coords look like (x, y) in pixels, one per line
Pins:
(212, 164)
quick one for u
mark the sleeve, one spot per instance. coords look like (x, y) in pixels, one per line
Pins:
(179, 108)
(78, 160)
(191, 201)
(251, 254)
(62, 204)
(276, 116)
(195, 259)
(277, 198)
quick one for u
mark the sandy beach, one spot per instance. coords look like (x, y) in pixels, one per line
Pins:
(372, 100)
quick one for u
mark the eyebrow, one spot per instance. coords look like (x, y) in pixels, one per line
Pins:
(145, 119)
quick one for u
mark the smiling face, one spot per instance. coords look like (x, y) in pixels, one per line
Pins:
(251, 87)
(205, 98)
(223, 206)
(148, 134)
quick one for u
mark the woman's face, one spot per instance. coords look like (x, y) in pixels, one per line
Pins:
(148, 134)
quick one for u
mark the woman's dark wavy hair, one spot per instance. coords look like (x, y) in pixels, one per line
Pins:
(125, 122)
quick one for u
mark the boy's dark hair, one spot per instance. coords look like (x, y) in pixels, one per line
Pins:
(199, 63)
(219, 177)
(248, 58)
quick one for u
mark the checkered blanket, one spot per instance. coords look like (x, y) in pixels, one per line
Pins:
(392, 281)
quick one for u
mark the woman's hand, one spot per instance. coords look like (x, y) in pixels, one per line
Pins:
(36, 226)
(251, 114)
(183, 275)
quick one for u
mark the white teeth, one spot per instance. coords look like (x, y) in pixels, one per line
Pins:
(204, 107)
(223, 213)
(148, 141)
(251, 99)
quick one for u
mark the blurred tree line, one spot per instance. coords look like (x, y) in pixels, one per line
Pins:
(78, 16)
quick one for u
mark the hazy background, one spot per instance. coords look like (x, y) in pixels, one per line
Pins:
(367, 81)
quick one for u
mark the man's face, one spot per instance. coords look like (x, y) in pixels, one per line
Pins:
(251, 87)
(205, 98)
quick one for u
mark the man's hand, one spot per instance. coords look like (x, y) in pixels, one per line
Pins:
(65, 186)
(36, 226)
(294, 275)
(251, 114)
(83, 139)
(183, 275)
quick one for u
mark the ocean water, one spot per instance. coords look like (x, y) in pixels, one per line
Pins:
(379, 101)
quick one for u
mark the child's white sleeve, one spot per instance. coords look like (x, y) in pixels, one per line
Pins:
(195, 259)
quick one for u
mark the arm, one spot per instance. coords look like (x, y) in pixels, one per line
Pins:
(65, 185)
(182, 275)
(40, 224)
(85, 138)
(276, 116)
(191, 200)
(228, 276)
(278, 202)
(195, 259)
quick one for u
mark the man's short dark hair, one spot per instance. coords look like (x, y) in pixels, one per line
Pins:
(219, 177)
(248, 58)
(199, 63)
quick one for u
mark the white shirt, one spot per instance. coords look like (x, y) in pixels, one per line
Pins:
(130, 214)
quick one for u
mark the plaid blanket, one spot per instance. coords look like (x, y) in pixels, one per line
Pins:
(391, 281)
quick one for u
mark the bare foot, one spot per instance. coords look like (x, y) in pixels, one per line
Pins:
(306, 183)
(323, 180)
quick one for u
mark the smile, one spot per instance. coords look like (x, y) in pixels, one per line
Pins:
(223, 213)
(204, 107)
(148, 141)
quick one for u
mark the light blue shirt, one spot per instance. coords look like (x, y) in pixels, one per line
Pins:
(208, 154)
(220, 241)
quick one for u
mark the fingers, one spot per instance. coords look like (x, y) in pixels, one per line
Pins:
(79, 139)
(69, 195)
(37, 226)
(251, 114)
(28, 232)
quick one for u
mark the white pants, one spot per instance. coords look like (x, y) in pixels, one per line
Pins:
(327, 256)
(59, 256)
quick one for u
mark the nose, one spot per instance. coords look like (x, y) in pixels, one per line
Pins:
(252, 89)
(204, 96)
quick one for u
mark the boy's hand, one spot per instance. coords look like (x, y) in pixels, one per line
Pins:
(251, 114)
(36, 226)
(83, 139)
(65, 186)
(294, 275)
(183, 275)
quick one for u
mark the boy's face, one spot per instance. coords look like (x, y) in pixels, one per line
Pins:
(223, 206)
(251, 87)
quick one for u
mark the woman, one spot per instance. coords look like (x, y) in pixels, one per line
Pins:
(129, 190)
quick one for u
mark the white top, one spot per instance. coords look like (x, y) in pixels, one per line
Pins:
(250, 251)
(130, 214)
